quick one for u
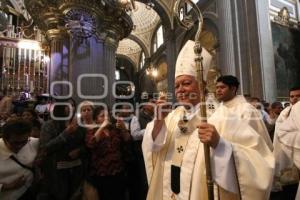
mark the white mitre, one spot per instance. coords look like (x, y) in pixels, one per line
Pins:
(186, 65)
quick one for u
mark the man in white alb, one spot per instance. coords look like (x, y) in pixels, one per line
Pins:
(286, 173)
(226, 93)
(288, 139)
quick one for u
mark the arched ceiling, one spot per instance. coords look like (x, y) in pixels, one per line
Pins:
(145, 21)
(168, 7)
(128, 46)
(130, 49)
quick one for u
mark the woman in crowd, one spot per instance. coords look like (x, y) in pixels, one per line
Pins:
(63, 157)
(86, 109)
(107, 145)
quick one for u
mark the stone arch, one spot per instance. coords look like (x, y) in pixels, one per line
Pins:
(212, 19)
(126, 57)
(140, 42)
(129, 67)
(209, 25)
(166, 19)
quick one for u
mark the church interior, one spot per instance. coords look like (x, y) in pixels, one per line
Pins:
(42, 42)
(66, 65)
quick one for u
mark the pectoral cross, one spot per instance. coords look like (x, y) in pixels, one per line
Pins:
(182, 124)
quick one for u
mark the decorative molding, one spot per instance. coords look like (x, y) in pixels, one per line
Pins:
(56, 34)
(283, 18)
(20, 7)
(277, 5)
(80, 23)
(293, 8)
(82, 18)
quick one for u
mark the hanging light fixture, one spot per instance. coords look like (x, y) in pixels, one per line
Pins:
(152, 71)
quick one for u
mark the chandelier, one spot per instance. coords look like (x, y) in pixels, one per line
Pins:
(152, 71)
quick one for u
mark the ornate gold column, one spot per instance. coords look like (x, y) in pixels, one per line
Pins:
(95, 28)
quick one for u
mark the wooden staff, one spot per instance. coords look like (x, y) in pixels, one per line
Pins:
(133, 4)
(187, 23)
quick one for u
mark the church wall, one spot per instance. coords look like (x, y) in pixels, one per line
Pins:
(286, 43)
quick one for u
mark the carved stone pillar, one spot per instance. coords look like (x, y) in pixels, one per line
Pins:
(86, 65)
(59, 53)
(246, 46)
(171, 60)
(93, 55)
(227, 61)
(95, 28)
(109, 67)
(266, 51)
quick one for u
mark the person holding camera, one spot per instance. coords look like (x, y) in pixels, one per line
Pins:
(107, 144)
(62, 153)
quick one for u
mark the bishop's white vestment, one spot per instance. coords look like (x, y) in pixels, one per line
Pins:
(242, 163)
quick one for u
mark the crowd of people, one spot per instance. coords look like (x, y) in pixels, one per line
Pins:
(93, 154)
(155, 151)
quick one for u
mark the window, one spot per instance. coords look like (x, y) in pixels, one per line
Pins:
(117, 75)
(142, 60)
(159, 38)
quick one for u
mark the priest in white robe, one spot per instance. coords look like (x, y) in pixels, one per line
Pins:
(286, 173)
(242, 163)
(288, 137)
(226, 90)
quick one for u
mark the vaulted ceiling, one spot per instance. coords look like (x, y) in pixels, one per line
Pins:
(145, 21)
